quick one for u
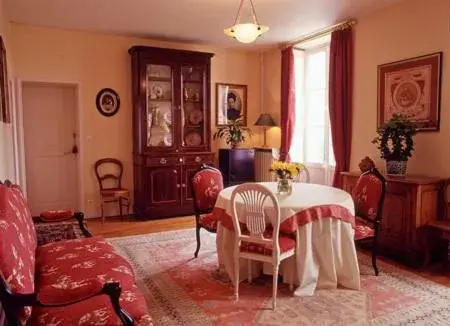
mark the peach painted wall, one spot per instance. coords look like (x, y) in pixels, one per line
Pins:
(6, 132)
(271, 89)
(96, 61)
(408, 29)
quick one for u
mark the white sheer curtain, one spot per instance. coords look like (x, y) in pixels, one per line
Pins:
(312, 141)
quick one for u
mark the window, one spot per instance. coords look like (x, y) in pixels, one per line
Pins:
(312, 134)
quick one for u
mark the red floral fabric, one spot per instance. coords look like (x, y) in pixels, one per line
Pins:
(286, 243)
(367, 195)
(291, 224)
(97, 310)
(56, 215)
(71, 264)
(207, 184)
(17, 244)
(363, 229)
(48, 296)
(209, 222)
(78, 268)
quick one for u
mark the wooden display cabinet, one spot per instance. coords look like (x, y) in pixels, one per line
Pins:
(411, 203)
(171, 127)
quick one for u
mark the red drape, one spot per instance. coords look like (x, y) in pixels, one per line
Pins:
(340, 99)
(287, 102)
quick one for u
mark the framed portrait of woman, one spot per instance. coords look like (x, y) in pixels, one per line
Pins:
(231, 104)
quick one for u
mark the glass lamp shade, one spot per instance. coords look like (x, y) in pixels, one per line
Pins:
(265, 120)
(246, 33)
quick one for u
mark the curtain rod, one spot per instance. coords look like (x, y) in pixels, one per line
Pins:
(319, 33)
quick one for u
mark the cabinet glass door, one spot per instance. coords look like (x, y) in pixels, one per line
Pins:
(159, 114)
(193, 114)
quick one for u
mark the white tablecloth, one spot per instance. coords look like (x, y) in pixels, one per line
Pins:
(325, 251)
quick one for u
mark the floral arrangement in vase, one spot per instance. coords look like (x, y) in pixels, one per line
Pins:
(285, 172)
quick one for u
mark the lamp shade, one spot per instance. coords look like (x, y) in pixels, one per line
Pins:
(265, 120)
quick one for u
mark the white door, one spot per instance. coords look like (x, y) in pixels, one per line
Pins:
(50, 139)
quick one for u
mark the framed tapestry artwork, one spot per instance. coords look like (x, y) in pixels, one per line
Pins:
(5, 113)
(231, 103)
(411, 87)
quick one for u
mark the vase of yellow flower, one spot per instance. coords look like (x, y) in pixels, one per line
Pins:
(285, 172)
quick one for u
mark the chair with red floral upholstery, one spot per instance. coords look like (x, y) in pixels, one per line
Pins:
(206, 184)
(368, 196)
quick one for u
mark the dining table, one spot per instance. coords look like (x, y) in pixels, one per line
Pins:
(320, 218)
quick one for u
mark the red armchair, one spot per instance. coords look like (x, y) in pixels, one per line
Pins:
(368, 196)
(206, 184)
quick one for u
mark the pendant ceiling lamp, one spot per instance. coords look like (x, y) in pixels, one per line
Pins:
(246, 32)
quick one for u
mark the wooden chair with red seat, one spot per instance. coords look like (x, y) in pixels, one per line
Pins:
(368, 196)
(206, 184)
(115, 193)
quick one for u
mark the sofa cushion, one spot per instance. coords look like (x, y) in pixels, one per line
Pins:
(17, 244)
(95, 311)
(69, 265)
(56, 215)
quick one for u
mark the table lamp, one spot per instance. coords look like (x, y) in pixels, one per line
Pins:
(265, 120)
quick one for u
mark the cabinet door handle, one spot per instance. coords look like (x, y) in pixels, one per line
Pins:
(198, 159)
(163, 161)
(184, 185)
(178, 185)
(175, 171)
(181, 160)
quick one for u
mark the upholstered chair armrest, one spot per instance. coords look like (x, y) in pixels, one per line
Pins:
(50, 296)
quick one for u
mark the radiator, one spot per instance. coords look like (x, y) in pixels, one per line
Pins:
(263, 160)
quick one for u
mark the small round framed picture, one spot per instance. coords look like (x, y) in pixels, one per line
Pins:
(108, 102)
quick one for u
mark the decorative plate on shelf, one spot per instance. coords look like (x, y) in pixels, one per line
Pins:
(168, 140)
(193, 139)
(157, 92)
(107, 102)
(168, 117)
(195, 117)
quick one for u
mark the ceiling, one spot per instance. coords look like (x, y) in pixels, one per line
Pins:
(199, 21)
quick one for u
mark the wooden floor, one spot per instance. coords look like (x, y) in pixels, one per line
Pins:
(117, 227)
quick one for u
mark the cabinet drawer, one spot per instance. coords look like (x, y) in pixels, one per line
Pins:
(162, 161)
(198, 159)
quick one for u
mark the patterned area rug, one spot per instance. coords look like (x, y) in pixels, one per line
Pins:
(181, 290)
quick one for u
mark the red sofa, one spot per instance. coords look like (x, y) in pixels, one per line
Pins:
(71, 282)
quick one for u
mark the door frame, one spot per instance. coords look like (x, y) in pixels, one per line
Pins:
(19, 150)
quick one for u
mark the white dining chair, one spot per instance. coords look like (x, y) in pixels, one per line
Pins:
(259, 241)
(303, 176)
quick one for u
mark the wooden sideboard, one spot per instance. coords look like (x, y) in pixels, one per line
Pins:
(411, 202)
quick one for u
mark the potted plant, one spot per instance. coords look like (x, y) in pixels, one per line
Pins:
(395, 142)
(234, 133)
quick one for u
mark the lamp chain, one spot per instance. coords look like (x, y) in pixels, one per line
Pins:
(239, 12)
(238, 15)
(255, 18)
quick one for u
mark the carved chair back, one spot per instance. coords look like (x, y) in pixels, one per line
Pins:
(206, 184)
(250, 201)
(368, 196)
(115, 177)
